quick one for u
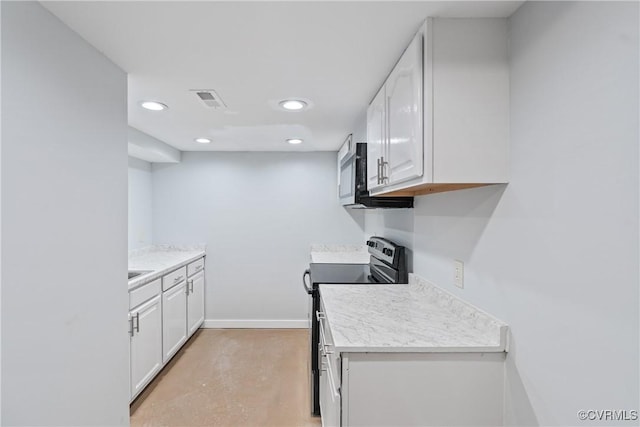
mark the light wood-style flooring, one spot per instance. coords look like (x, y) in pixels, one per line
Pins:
(234, 378)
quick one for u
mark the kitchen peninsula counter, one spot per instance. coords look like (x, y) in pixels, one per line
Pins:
(418, 317)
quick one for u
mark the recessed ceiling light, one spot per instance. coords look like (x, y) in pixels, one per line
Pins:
(294, 141)
(293, 104)
(202, 140)
(153, 105)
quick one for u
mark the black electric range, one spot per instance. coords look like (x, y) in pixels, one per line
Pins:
(387, 265)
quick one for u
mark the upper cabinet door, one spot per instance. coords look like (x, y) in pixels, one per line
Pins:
(376, 139)
(404, 116)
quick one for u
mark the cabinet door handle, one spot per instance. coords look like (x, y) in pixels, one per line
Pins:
(137, 322)
(383, 178)
(379, 170)
(190, 285)
(130, 325)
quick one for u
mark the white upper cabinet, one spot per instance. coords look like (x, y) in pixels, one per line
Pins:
(444, 124)
(394, 123)
(376, 139)
(404, 116)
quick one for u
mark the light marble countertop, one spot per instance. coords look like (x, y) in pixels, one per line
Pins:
(418, 317)
(160, 260)
(339, 254)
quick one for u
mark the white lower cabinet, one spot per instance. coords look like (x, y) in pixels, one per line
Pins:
(145, 331)
(409, 389)
(329, 394)
(414, 389)
(174, 320)
(422, 389)
(163, 315)
(330, 375)
(195, 302)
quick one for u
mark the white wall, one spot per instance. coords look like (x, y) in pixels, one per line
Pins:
(140, 204)
(0, 214)
(555, 252)
(258, 213)
(64, 222)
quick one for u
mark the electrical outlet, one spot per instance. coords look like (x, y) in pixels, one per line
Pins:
(458, 273)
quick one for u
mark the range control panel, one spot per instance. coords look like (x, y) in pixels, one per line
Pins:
(385, 250)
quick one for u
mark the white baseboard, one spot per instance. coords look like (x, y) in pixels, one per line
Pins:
(255, 324)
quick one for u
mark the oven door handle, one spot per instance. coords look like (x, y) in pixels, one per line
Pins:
(307, 287)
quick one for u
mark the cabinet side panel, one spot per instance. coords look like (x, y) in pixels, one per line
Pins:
(426, 389)
(471, 100)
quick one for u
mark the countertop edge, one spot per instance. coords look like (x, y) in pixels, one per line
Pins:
(150, 277)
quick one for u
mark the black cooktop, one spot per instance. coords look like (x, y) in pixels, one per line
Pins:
(340, 273)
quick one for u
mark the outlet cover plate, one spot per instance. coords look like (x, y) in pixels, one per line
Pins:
(458, 273)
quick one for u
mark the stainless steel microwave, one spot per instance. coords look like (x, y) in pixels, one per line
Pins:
(352, 180)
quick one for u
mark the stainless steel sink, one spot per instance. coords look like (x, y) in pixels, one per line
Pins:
(135, 273)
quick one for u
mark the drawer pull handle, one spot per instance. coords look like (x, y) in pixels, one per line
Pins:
(177, 279)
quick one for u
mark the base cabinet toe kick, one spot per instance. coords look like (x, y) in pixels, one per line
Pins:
(163, 315)
(408, 389)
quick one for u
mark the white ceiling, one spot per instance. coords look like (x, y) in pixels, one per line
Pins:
(253, 54)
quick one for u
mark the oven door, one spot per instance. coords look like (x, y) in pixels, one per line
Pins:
(314, 371)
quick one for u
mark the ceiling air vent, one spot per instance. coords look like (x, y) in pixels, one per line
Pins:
(210, 98)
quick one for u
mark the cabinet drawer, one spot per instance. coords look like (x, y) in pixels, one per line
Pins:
(195, 267)
(144, 293)
(173, 278)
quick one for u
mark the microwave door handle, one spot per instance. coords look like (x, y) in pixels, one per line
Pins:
(307, 288)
